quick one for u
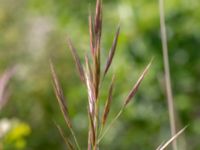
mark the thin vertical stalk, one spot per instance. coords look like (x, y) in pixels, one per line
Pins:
(167, 73)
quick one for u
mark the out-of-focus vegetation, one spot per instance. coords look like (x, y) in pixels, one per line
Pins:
(32, 31)
(13, 134)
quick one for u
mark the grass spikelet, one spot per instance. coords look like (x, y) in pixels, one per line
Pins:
(108, 103)
(136, 86)
(90, 87)
(60, 97)
(61, 101)
(98, 18)
(112, 52)
(76, 59)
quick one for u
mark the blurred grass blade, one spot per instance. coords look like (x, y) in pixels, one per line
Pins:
(66, 140)
(76, 59)
(136, 86)
(60, 97)
(171, 139)
(112, 51)
(4, 80)
(108, 103)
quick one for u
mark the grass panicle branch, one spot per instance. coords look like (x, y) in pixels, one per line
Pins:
(60, 97)
(127, 100)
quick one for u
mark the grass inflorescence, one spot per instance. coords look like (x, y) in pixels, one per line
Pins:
(92, 76)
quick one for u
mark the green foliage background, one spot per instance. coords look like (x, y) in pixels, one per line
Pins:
(33, 31)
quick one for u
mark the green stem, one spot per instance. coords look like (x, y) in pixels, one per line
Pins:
(75, 139)
(111, 124)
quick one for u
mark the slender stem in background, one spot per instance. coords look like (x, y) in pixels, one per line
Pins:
(167, 73)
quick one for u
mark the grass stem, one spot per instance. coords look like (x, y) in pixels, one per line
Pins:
(167, 73)
(101, 136)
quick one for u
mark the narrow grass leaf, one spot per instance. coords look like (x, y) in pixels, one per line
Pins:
(60, 97)
(172, 139)
(136, 86)
(112, 51)
(76, 59)
(108, 103)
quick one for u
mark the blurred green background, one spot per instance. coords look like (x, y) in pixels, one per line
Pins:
(32, 31)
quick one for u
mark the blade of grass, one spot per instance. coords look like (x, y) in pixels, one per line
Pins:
(167, 73)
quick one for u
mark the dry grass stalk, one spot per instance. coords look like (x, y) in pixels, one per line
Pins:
(167, 74)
